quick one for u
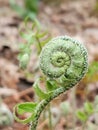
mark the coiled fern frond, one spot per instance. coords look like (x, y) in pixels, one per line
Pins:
(63, 60)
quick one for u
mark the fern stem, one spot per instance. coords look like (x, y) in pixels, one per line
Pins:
(44, 103)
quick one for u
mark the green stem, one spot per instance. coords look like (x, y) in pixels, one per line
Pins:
(44, 103)
(39, 44)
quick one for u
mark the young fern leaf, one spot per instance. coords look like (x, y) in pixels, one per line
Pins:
(26, 107)
(65, 61)
(51, 85)
(22, 110)
(39, 92)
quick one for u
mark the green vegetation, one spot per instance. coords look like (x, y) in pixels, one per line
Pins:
(29, 9)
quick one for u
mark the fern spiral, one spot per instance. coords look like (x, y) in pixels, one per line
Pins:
(64, 59)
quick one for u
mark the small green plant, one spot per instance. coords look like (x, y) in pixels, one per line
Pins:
(33, 35)
(83, 114)
(64, 62)
(86, 112)
(29, 10)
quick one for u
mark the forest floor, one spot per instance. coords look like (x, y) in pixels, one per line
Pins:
(75, 18)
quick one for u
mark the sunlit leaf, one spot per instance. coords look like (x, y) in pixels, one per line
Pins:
(81, 115)
(27, 36)
(31, 5)
(42, 34)
(51, 85)
(26, 107)
(88, 107)
(39, 91)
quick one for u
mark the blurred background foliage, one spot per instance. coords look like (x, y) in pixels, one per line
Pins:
(28, 9)
(37, 21)
(92, 75)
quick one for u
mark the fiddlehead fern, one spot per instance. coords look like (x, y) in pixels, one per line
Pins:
(64, 60)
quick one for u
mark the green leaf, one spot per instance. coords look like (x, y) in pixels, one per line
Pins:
(31, 15)
(81, 115)
(39, 92)
(51, 85)
(33, 25)
(26, 107)
(23, 60)
(37, 23)
(31, 5)
(46, 41)
(24, 121)
(42, 34)
(28, 36)
(88, 107)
